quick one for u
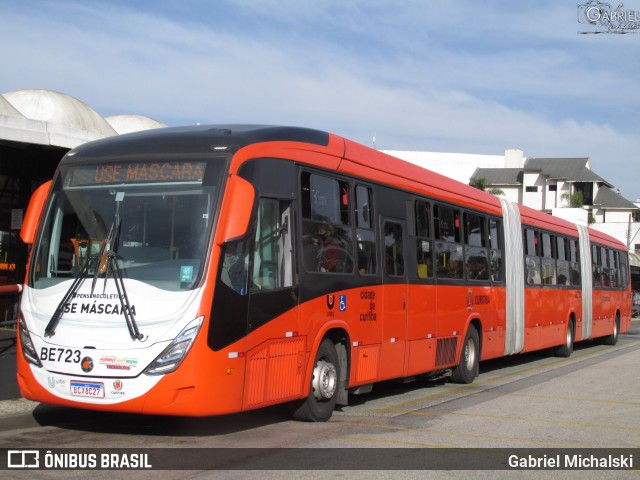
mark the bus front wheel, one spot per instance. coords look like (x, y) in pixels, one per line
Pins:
(323, 390)
(467, 369)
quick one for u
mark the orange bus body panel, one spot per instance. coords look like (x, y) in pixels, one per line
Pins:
(34, 210)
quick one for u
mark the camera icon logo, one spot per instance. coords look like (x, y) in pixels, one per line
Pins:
(23, 459)
(594, 12)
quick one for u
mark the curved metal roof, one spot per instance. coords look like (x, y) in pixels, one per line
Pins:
(7, 109)
(58, 108)
(45, 117)
(132, 123)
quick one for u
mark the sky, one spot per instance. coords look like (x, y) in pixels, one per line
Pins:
(458, 76)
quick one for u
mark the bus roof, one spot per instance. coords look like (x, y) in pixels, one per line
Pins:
(400, 173)
(197, 139)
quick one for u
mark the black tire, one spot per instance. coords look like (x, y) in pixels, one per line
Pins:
(323, 390)
(613, 338)
(467, 369)
(565, 350)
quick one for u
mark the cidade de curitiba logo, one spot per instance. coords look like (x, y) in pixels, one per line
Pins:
(600, 17)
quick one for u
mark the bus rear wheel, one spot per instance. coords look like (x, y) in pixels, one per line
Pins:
(565, 350)
(323, 390)
(613, 338)
(467, 369)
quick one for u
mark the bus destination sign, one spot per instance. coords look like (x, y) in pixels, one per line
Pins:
(136, 172)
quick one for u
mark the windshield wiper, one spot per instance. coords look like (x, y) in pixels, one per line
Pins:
(105, 262)
(127, 311)
(109, 265)
(50, 330)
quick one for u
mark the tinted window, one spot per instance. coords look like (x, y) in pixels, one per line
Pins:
(365, 234)
(326, 234)
(393, 247)
(424, 250)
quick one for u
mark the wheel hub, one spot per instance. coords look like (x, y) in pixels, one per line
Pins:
(325, 380)
(469, 354)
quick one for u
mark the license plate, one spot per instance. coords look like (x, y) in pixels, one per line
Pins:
(87, 389)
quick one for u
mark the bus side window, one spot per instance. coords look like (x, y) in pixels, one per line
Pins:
(365, 234)
(613, 268)
(273, 251)
(446, 224)
(548, 260)
(423, 241)
(562, 250)
(532, 257)
(449, 252)
(574, 261)
(235, 264)
(326, 225)
(596, 266)
(393, 247)
(604, 258)
(495, 242)
(476, 255)
(624, 269)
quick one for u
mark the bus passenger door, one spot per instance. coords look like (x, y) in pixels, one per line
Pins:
(275, 352)
(394, 298)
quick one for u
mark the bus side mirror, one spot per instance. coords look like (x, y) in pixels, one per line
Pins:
(34, 210)
(239, 201)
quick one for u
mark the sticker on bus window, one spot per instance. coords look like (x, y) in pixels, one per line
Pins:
(186, 273)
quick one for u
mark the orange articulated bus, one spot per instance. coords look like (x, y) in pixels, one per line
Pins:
(215, 269)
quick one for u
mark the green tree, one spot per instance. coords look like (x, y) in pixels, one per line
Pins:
(481, 184)
(575, 200)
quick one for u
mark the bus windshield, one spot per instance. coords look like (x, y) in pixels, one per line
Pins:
(153, 217)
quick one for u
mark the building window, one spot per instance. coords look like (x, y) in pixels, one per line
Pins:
(532, 189)
(587, 192)
(553, 188)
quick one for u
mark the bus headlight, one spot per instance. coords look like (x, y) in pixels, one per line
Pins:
(172, 356)
(28, 350)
